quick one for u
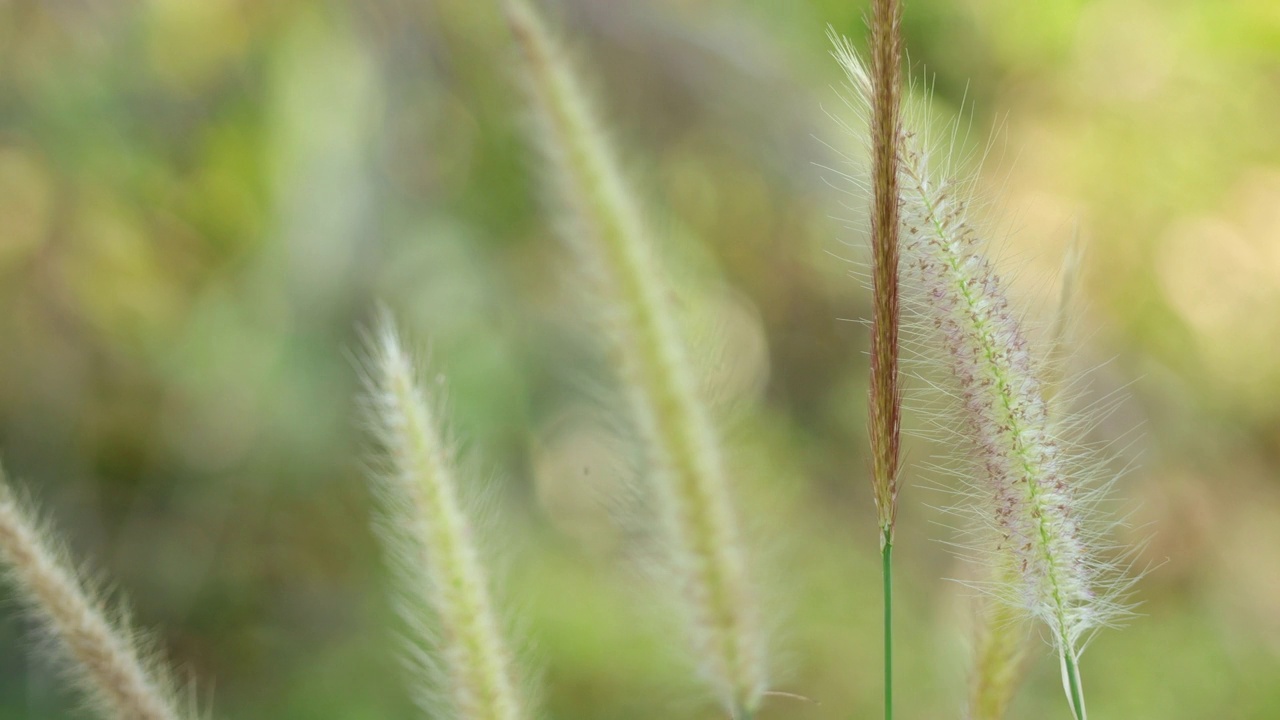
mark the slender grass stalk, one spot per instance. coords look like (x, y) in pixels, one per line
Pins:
(886, 562)
(885, 394)
(121, 678)
(1071, 682)
(1031, 493)
(627, 285)
(429, 538)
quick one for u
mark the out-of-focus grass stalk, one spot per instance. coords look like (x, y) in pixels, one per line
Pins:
(1060, 332)
(999, 650)
(885, 395)
(108, 664)
(628, 286)
(429, 539)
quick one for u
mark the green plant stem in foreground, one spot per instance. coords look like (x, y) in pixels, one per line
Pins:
(1074, 690)
(886, 557)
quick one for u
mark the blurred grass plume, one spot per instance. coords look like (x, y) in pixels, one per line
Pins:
(457, 639)
(626, 284)
(123, 677)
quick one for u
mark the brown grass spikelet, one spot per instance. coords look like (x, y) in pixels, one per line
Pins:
(885, 393)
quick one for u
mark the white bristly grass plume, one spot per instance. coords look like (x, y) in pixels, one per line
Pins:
(999, 650)
(464, 658)
(1030, 484)
(123, 678)
(628, 288)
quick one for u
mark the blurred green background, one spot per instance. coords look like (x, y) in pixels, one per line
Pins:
(201, 203)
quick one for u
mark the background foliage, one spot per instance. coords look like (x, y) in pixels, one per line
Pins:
(201, 201)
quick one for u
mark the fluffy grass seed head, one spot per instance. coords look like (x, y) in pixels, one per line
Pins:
(122, 678)
(462, 653)
(627, 287)
(1031, 483)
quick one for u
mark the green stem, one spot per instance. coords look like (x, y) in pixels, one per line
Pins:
(886, 557)
(1073, 684)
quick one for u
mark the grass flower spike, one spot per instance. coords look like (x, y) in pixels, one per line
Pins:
(123, 681)
(885, 394)
(1001, 638)
(627, 283)
(1032, 498)
(466, 660)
